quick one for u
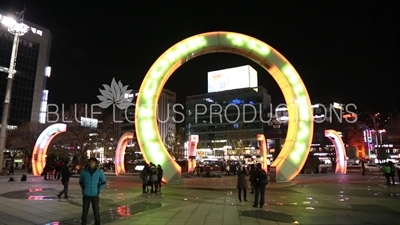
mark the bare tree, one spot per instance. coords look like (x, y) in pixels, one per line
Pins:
(23, 139)
(236, 138)
(86, 130)
(174, 143)
(58, 150)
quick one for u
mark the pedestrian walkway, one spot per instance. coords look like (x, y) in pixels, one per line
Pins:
(311, 199)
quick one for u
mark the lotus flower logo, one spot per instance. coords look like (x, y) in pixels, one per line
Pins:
(116, 94)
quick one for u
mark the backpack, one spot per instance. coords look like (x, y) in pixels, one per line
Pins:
(262, 178)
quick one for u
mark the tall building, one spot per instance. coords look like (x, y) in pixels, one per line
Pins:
(222, 117)
(29, 94)
(229, 117)
(165, 115)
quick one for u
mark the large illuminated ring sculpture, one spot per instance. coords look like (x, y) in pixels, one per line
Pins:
(42, 143)
(263, 150)
(341, 156)
(298, 140)
(120, 152)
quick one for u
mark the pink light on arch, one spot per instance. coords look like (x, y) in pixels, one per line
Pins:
(42, 143)
(263, 150)
(120, 152)
(341, 157)
(192, 147)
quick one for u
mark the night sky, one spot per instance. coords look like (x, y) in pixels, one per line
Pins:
(346, 50)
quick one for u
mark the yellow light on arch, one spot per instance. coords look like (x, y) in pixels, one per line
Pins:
(298, 141)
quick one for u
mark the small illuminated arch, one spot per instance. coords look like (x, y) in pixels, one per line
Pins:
(192, 147)
(341, 156)
(299, 136)
(42, 143)
(263, 150)
(120, 152)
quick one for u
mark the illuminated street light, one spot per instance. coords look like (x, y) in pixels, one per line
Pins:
(17, 29)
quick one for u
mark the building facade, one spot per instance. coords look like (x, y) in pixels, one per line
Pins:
(166, 114)
(29, 93)
(336, 116)
(222, 118)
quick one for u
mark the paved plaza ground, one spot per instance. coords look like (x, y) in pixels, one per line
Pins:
(309, 199)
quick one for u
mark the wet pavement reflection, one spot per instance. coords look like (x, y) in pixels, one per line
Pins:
(269, 215)
(110, 215)
(113, 214)
(314, 200)
(38, 194)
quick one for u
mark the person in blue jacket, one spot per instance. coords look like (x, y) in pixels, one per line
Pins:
(92, 182)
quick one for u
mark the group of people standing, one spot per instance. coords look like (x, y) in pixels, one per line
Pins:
(258, 181)
(231, 169)
(52, 171)
(151, 176)
(389, 170)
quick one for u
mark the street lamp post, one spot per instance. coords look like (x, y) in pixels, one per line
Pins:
(17, 29)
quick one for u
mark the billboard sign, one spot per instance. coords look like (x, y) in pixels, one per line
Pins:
(232, 78)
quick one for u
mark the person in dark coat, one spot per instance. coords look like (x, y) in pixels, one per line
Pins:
(46, 171)
(160, 174)
(259, 185)
(58, 168)
(11, 170)
(392, 171)
(144, 175)
(242, 184)
(252, 172)
(65, 175)
(92, 181)
(153, 177)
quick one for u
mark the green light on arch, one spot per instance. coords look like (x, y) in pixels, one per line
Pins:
(298, 140)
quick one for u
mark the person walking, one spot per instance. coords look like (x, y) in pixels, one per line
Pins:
(259, 181)
(364, 170)
(392, 171)
(65, 175)
(92, 181)
(242, 184)
(387, 172)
